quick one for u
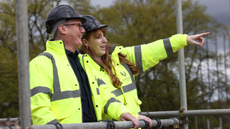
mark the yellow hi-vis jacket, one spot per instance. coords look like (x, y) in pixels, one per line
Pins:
(55, 91)
(145, 56)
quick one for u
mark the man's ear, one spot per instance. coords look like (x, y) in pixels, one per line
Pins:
(62, 29)
(85, 42)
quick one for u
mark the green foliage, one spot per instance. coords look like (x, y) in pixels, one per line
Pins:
(132, 23)
(8, 70)
(8, 84)
(83, 7)
(37, 11)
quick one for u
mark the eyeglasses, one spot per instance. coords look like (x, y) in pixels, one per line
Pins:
(77, 24)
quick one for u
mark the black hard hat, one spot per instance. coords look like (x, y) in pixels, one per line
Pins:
(91, 24)
(61, 12)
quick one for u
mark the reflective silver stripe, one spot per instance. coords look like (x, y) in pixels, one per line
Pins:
(129, 87)
(168, 47)
(56, 84)
(98, 93)
(65, 95)
(62, 95)
(111, 100)
(138, 58)
(100, 82)
(58, 95)
(117, 92)
(112, 49)
(126, 88)
(53, 121)
(40, 89)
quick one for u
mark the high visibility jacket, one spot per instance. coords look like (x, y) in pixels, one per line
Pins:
(55, 91)
(145, 56)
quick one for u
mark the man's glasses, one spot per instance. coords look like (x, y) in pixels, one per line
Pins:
(77, 24)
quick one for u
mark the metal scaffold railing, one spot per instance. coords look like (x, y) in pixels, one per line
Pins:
(2, 120)
(103, 125)
(160, 114)
(177, 115)
(204, 112)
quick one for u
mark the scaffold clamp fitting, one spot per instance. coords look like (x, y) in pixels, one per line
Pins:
(158, 123)
(176, 126)
(176, 123)
(146, 124)
(186, 121)
(110, 124)
(181, 111)
(8, 119)
(58, 126)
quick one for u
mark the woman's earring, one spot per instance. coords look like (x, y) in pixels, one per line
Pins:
(87, 47)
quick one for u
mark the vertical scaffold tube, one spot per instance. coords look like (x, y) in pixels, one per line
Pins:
(183, 95)
(23, 63)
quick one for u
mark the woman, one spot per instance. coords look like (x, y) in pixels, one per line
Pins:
(118, 65)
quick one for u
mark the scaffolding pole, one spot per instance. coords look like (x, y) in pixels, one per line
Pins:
(202, 87)
(23, 63)
(204, 112)
(102, 125)
(2, 120)
(209, 85)
(226, 78)
(183, 96)
(218, 82)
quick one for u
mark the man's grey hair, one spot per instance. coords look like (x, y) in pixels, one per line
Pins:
(55, 26)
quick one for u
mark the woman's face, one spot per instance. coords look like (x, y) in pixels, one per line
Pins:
(96, 43)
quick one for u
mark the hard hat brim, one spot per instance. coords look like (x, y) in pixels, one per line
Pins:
(98, 27)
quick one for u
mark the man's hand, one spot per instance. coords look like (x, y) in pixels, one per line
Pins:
(129, 117)
(196, 39)
(147, 119)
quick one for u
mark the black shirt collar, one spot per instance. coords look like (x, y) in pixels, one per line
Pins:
(69, 53)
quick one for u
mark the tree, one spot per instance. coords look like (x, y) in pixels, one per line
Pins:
(8, 70)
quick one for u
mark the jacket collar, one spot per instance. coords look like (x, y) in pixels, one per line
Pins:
(112, 49)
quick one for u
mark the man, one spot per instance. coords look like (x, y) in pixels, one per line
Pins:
(61, 91)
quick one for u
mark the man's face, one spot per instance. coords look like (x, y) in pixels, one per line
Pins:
(74, 33)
